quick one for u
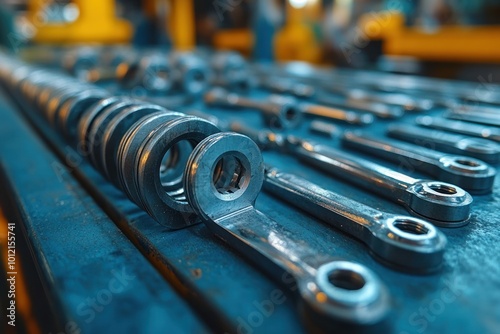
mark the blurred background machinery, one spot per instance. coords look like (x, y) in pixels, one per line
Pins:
(444, 38)
(327, 89)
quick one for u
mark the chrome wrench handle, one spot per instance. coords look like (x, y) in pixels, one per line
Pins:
(279, 112)
(478, 148)
(336, 114)
(226, 205)
(471, 174)
(464, 128)
(442, 203)
(403, 242)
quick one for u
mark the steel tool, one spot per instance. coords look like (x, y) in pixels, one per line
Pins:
(405, 243)
(288, 87)
(378, 109)
(482, 149)
(469, 173)
(323, 129)
(335, 294)
(336, 114)
(464, 128)
(279, 112)
(443, 203)
(475, 117)
(405, 101)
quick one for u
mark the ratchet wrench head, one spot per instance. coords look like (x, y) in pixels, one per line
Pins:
(442, 203)
(339, 292)
(474, 175)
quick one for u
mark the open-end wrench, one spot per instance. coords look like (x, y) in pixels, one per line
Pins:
(464, 128)
(403, 242)
(471, 174)
(335, 294)
(443, 203)
(482, 149)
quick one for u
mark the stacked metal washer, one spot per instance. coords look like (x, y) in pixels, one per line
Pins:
(125, 139)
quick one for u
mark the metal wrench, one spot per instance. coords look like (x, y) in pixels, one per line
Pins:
(289, 87)
(336, 114)
(405, 101)
(425, 198)
(464, 128)
(334, 292)
(403, 242)
(279, 112)
(471, 174)
(482, 149)
(475, 117)
(443, 203)
(378, 109)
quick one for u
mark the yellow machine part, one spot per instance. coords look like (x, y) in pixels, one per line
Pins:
(296, 40)
(97, 23)
(447, 43)
(182, 24)
(241, 40)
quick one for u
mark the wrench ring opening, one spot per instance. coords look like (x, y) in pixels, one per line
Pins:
(346, 279)
(478, 145)
(470, 163)
(443, 188)
(410, 226)
(411, 230)
(441, 191)
(347, 283)
(445, 204)
(230, 176)
(464, 165)
(233, 164)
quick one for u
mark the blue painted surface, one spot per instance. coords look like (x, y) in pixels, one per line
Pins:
(462, 298)
(94, 276)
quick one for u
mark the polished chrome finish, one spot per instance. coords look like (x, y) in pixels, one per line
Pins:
(442, 203)
(479, 148)
(403, 242)
(465, 128)
(336, 114)
(471, 174)
(226, 205)
(279, 112)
